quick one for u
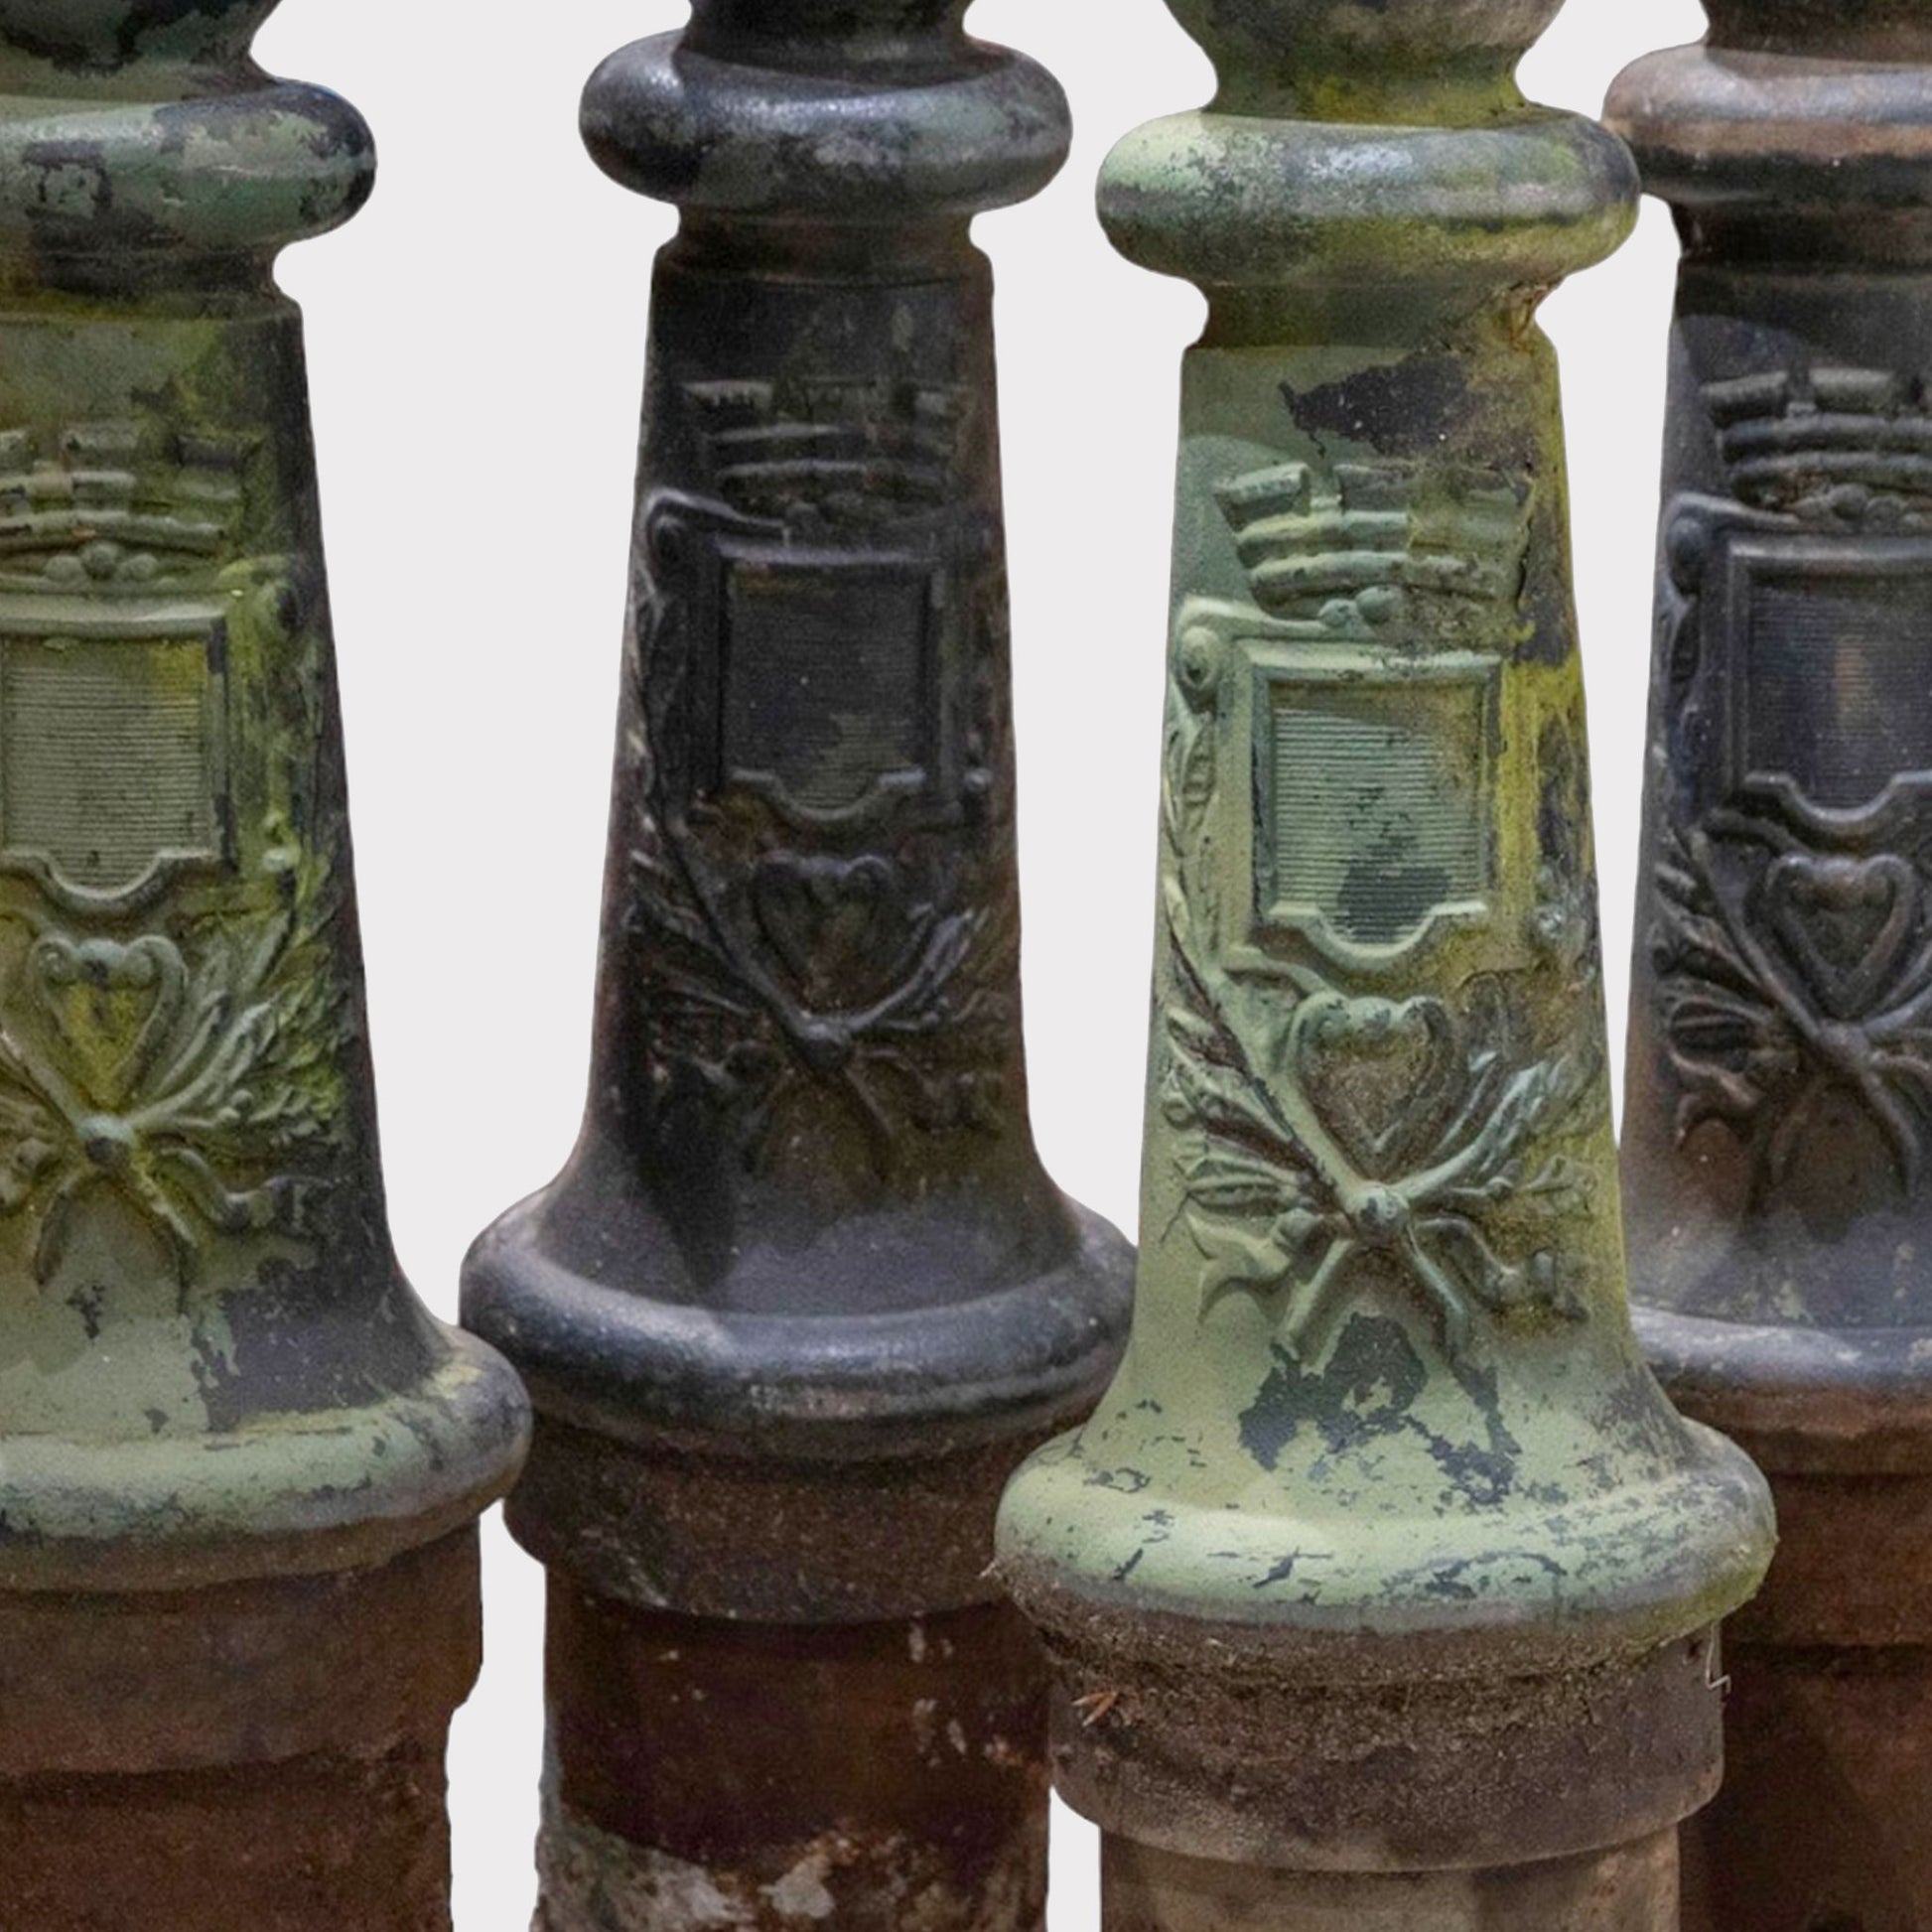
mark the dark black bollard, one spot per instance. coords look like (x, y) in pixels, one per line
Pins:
(804, 1296)
(1780, 1076)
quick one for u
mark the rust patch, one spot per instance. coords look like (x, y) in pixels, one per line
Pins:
(247, 1674)
(771, 1777)
(1827, 1807)
(321, 1843)
(1227, 1751)
(266, 1758)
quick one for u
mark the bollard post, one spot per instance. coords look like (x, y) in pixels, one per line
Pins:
(804, 1297)
(1780, 1095)
(1384, 1585)
(240, 1466)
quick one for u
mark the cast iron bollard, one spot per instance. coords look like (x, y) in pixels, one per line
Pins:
(804, 1298)
(239, 1464)
(1384, 1585)
(1780, 1074)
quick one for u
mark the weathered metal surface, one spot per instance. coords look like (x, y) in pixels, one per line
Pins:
(1385, 1557)
(804, 1296)
(1779, 1113)
(239, 1464)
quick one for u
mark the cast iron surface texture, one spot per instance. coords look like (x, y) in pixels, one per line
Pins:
(239, 1464)
(804, 1297)
(1780, 1073)
(1385, 1558)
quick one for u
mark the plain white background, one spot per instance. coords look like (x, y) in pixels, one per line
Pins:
(477, 341)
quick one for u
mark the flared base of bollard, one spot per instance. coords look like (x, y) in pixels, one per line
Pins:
(823, 1464)
(254, 1758)
(1825, 1821)
(1628, 1889)
(707, 1776)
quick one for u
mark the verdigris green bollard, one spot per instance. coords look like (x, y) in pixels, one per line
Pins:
(1780, 1080)
(1384, 1585)
(239, 1464)
(804, 1296)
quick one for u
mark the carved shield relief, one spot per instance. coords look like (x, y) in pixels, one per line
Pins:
(1826, 646)
(824, 582)
(1358, 1124)
(113, 746)
(1373, 773)
(815, 675)
(828, 934)
(1793, 943)
(1361, 825)
(1361, 694)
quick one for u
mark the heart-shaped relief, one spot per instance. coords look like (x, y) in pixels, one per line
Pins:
(110, 1008)
(841, 927)
(1383, 1075)
(1847, 924)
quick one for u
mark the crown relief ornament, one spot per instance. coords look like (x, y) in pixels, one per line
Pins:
(227, 1426)
(1383, 1479)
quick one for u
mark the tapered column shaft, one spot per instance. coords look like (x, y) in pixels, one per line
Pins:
(1778, 1118)
(239, 1464)
(1383, 1585)
(804, 1296)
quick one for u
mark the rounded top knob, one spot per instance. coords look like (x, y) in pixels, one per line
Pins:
(836, 112)
(1790, 113)
(141, 146)
(1361, 146)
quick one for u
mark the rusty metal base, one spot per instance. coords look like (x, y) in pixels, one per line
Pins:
(1632, 1888)
(716, 1777)
(318, 1844)
(262, 1756)
(1825, 1820)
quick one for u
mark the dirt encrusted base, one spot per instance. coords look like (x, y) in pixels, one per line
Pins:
(1211, 1742)
(1631, 1888)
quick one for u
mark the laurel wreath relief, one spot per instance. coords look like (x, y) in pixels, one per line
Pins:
(193, 1075)
(1791, 970)
(1788, 976)
(880, 978)
(1319, 1132)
